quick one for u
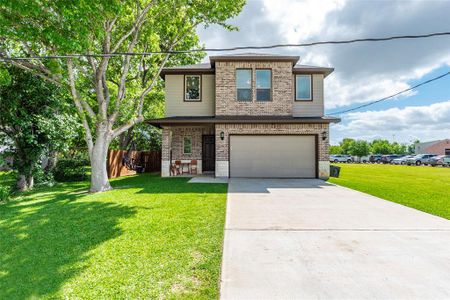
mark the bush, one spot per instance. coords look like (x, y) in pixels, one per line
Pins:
(42, 178)
(5, 193)
(71, 169)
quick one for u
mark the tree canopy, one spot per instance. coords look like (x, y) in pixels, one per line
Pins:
(35, 119)
(109, 89)
(362, 148)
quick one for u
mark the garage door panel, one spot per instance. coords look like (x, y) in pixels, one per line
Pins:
(272, 156)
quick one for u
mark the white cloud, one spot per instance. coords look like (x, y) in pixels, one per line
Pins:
(422, 122)
(300, 20)
(364, 71)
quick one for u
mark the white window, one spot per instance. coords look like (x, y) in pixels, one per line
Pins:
(263, 85)
(303, 88)
(244, 84)
(192, 84)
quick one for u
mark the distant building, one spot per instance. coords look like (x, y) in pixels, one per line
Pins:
(439, 147)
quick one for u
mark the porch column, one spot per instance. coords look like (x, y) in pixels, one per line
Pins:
(165, 151)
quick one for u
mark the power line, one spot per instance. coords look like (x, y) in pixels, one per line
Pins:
(332, 42)
(391, 96)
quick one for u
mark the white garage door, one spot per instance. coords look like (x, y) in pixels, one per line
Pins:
(274, 156)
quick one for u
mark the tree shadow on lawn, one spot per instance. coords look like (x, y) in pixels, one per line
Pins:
(46, 238)
(155, 184)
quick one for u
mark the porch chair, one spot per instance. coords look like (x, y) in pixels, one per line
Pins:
(173, 170)
(194, 166)
(178, 167)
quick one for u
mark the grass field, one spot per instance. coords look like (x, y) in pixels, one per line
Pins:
(148, 238)
(423, 188)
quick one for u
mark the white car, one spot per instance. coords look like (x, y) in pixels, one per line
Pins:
(341, 158)
(401, 160)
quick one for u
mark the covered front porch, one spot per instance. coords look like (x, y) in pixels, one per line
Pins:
(188, 150)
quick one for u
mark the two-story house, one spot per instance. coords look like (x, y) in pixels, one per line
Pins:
(246, 115)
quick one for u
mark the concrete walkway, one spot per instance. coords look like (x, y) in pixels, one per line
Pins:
(307, 239)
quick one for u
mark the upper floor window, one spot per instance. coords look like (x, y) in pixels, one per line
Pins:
(192, 85)
(263, 85)
(303, 88)
(244, 84)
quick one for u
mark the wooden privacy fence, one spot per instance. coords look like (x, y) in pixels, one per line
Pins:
(124, 162)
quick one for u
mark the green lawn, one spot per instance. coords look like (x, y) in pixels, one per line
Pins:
(148, 238)
(423, 188)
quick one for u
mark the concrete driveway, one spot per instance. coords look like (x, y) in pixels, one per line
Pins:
(292, 239)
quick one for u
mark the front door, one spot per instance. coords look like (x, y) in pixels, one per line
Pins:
(208, 153)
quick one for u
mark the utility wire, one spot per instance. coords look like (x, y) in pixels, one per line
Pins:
(232, 48)
(391, 96)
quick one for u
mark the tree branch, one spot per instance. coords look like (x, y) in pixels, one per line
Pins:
(137, 23)
(79, 107)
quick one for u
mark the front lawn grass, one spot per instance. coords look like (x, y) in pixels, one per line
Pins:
(424, 188)
(149, 238)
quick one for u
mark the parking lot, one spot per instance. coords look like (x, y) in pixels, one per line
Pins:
(395, 159)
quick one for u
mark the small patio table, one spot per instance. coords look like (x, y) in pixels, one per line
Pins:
(188, 165)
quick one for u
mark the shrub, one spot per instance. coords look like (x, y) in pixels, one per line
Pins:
(42, 178)
(5, 193)
(71, 169)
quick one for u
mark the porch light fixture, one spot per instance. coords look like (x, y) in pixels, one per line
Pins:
(324, 136)
(222, 135)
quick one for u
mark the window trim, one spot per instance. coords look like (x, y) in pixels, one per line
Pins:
(200, 88)
(271, 85)
(251, 84)
(184, 141)
(311, 88)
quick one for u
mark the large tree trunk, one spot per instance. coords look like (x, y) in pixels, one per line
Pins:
(30, 182)
(98, 157)
(25, 183)
(125, 139)
(21, 183)
(52, 159)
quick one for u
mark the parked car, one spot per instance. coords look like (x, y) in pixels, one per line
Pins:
(364, 159)
(420, 159)
(387, 159)
(375, 158)
(440, 160)
(341, 158)
(401, 160)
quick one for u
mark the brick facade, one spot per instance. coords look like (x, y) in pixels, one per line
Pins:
(282, 104)
(173, 138)
(282, 89)
(222, 146)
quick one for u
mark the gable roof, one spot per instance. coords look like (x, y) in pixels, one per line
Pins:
(209, 67)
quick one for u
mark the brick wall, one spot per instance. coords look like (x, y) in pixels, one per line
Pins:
(282, 89)
(175, 140)
(222, 146)
(438, 148)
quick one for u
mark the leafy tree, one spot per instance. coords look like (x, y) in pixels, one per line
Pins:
(346, 145)
(34, 120)
(397, 148)
(380, 147)
(335, 149)
(412, 147)
(359, 148)
(109, 91)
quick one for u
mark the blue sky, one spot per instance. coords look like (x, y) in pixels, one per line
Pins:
(363, 72)
(434, 92)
